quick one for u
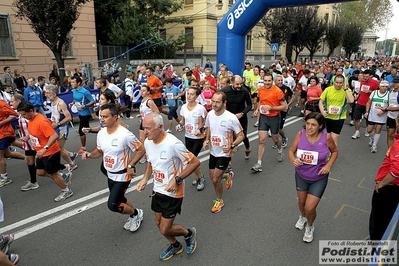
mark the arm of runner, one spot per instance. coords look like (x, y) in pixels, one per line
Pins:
(92, 155)
(143, 182)
(321, 107)
(333, 157)
(65, 112)
(292, 150)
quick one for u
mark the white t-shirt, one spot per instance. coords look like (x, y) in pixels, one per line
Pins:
(378, 100)
(168, 158)
(222, 128)
(117, 148)
(115, 89)
(304, 82)
(393, 102)
(289, 82)
(192, 120)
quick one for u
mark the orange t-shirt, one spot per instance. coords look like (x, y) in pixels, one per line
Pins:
(155, 82)
(271, 97)
(5, 111)
(40, 131)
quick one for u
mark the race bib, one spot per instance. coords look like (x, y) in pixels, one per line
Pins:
(334, 110)
(263, 110)
(364, 87)
(109, 161)
(160, 176)
(189, 128)
(217, 141)
(169, 95)
(35, 141)
(307, 157)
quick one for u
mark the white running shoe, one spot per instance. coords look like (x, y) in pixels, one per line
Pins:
(136, 220)
(371, 141)
(308, 236)
(300, 224)
(356, 135)
(366, 134)
(29, 186)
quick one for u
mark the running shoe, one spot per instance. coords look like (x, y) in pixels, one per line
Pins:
(14, 258)
(73, 166)
(274, 146)
(352, 123)
(373, 149)
(29, 186)
(356, 135)
(5, 243)
(257, 168)
(67, 177)
(81, 150)
(300, 224)
(247, 155)
(371, 141)
(301, 114)
(191, 241)
(280, 156)
(195, 182)
(64, 195)
(67, 168)
(168, 131)
(143, 159)
(284, 142)
(366, 134)
(5, 181)
(181, 129)
(217, 206)
(171, 251)
(136, 221)
(229, 180)
(201, 183)
(256, 124)
(308, 236)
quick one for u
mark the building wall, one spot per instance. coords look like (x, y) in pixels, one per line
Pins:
(35, 59)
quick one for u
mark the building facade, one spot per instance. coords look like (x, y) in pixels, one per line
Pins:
(21, 49)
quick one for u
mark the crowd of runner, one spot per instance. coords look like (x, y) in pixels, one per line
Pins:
(212, 109)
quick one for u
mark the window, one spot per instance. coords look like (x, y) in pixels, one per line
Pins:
(232, 2)
(7, 48)
(248, 45)
(188, 2)
(220, 2)
(189, 37)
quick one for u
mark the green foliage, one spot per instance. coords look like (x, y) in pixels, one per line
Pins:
(333, 38)
(139, 21)
(368, 14)
(352, 38)
(387, 46)
(315, 36)
(275, 25)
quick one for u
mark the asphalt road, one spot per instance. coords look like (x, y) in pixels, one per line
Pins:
(255, 227)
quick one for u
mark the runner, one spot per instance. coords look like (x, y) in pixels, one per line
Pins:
(272, 101)
(116, 144)
(170, 163)
(147, 106)
(193, 120)
(393, 111)
(313, 95)
(48, 156)
(30, 152)
(221, 125)
(310, 154)
(335, 100)
(7, 136)
(60, 118)
(375, 115)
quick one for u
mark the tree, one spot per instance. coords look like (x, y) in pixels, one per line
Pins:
(369, 14)
(52, 21)
(275, 27)
(315, 36)
(333, 38)
(106, 13)
(139, 22)
(299, 36)
(352, 38)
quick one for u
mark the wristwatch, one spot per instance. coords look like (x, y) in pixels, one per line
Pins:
(59, 124)
(131, 167)
(178, 180)
(45, 147)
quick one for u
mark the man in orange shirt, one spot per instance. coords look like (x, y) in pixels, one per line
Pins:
(7, 136)
(48, 155)
(156, 86)
(271, 102)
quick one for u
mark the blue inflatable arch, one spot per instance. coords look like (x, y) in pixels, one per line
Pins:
(239, 20)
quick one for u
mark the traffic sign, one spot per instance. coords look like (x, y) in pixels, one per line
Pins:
(274, 47)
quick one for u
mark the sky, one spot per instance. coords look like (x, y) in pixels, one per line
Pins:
(393, 30)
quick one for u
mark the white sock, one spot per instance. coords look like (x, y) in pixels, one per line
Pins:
(4, 176)
(376, 139)
(259, 162)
